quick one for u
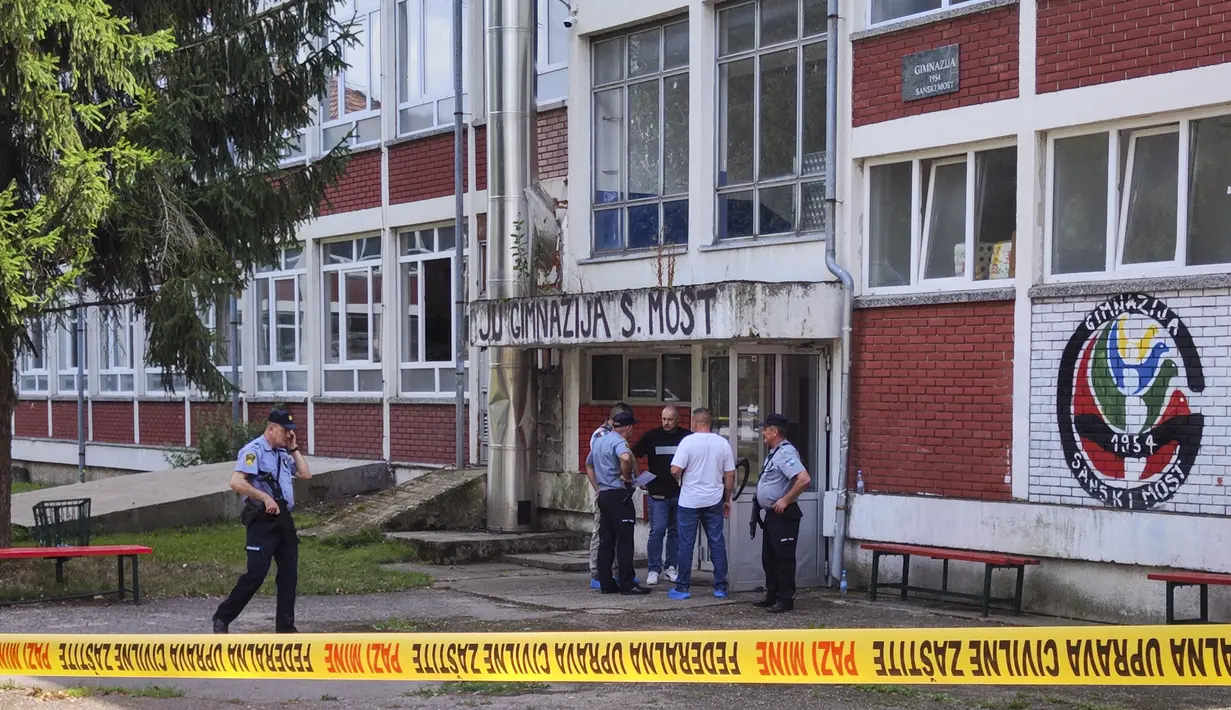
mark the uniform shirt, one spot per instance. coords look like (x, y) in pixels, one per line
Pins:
(778, 473)
(705, 457)
(659, 446)
(257, 457)
(605, 459)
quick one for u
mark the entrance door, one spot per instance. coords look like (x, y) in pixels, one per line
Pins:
(758, 383)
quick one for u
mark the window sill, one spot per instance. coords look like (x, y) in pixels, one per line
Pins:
(937, 298)
(33, 397)
(1109, 287)
(751, 242)
(274, 398)
(438, 399)
(421, 135)
(357, 398)
(114, 397)
(913, 21)
(635, 255)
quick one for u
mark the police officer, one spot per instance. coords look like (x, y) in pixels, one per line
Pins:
(264, 475)
(610, 469)
(783, 479)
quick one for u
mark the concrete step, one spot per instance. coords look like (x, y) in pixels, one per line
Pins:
(563, 561)
(441, 499)
(462, 546)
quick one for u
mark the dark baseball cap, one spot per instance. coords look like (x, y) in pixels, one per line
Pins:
(623, 419)
(775, 420)
(282, 418)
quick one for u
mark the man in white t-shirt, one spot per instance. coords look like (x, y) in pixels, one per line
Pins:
(705, 467)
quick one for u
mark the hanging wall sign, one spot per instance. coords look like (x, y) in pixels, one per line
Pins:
(931, 73)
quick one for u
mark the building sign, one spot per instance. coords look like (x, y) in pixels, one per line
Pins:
(1123, 402)
(726, 311)
(930, 73)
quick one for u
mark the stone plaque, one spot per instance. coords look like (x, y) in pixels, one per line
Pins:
(930, 73)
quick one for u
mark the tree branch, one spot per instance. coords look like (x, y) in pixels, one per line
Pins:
(100, 303)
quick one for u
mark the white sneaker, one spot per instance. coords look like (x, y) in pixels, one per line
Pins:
(652, 579)
(671, 574)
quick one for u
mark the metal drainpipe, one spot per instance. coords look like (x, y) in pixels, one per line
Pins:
(836, 562)
(80, 313)
(460, 239)
(233, 304)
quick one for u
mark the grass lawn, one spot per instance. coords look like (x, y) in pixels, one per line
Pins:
(27, 487)
(207, 560)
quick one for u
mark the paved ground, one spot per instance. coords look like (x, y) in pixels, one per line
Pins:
(496, 597)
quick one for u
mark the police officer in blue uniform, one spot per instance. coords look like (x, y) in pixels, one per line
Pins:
(783, 479)
(264, 475)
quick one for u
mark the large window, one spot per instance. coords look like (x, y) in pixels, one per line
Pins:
(887, 10)
(553, 39)
(352, 299)
(425, 64)
(641, 139)
(353, 96)
(278, 301)
(71, 349)
(771, 118)
(33, 375)
(117, 372)
(227, 351)
(425, 264)
(1141, 200)
(649, 377)
(942, 222)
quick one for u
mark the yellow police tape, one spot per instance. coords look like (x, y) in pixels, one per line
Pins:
(1096, 655)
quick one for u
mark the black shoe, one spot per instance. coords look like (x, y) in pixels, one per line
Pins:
(635, 590)
(613, 589)
(782, 605)
(221, 627)
(765, 603)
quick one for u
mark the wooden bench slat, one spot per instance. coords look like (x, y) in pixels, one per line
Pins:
(948, 553)
(1191, 577)
(27, 553)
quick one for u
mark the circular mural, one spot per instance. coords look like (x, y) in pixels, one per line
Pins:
(1123, 402)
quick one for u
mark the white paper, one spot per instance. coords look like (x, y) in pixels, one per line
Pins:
(644, 479)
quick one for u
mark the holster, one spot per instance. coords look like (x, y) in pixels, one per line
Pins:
(755, 521)
(252, 512)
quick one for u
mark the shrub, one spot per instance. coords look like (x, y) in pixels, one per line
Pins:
(218, 440)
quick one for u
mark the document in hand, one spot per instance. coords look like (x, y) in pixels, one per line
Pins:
(644, 479)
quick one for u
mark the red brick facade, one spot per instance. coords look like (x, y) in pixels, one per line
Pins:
(480, 150)
(592, 416)
(988, 59)
(932, 399)
(162, 423)
(64, 420)
(209, 414)
(1089, 42)
(423, 169)
(553, 144)
(349, 430)
(425, 433)
(113, 422)
(358, 188)
(30, 418)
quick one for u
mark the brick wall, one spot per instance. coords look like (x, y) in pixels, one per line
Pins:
(423, 169)
(64, 420)
(592, 416)
(553, 144)
(349, 430)
(988, 60)
(480, 151)
(358, 188)
(1139, 386)
(932, 399)
(162, 423)
(31, 418)
(207, 414)
(113, 422)
(1089, 42)
(425, 433)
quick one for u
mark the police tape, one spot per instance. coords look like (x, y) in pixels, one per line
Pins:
(1096, 655)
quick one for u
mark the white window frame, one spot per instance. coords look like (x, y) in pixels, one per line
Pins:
(375, 310)
(1117, 197)
(652, 353)
(66, 354)
(122, 321)
(234, 347)
(26, 371)
(944, 7)
(800, 177)
(376, 63)
(442, 102)
(921, 214)
(297, 272)
(552, 28)
(435, 366)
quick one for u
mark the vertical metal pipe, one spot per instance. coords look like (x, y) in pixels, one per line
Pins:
(836, 562)
(460, 239)
(511, 170)
(80, 327)
(233, 305)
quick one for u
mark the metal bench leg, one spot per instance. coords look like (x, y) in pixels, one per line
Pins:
(120, 560)
(944, 576)
(1017, 596)
(1205, 603)
(60, 570)
(1170, 602)
(136, 580)
(876, 566)
(905, 574)
(987, 588)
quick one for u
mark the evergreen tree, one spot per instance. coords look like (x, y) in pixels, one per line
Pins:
(139, 158)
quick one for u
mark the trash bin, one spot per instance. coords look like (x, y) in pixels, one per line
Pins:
(62, 523)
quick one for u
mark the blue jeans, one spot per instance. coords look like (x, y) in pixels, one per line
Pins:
(711, 519)
(663, 523)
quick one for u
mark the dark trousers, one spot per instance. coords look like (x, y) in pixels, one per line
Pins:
(271, 538)
(778, 551)
(617, 517)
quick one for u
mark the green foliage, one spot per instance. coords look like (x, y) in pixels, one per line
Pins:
(218, 440)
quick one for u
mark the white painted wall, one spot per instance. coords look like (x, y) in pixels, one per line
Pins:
(129, 458)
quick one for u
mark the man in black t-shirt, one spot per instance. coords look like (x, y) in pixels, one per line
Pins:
(658, 445)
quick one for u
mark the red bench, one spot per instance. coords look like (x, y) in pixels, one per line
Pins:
(1190, 579)
(990, 560)
(64, 554)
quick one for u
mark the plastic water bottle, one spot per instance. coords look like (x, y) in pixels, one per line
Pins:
(859, 481)
(842, 584)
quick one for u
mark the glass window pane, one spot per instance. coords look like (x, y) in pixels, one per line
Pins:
(411, 310)
(357, 316)
(812, 207)
(815, 20)
(293, 258)
(333, 311)
(1152, 199)
(1209, 192)
(376, 313)
(557, 34)
(609, 61)
(677, 378)
(675, 222)
(437, 310)
(339, 380)
(608, 123)
(288, 333)
(339, 252)
(369, 249)
(889, 225)
(995, 213)
(736, 29)
(946, 221)
(643, 148)
(736, 214)
(334, 135)
(269, 381)
(643, 53)
(643, 226)
(418, 380)
(1079, 205)
(371, 381)
(643, 378)
(438, 47)
(885, 10)
(779, 21)
(814, 109)
(297, 381)
(417, 118)
(607, 231)
(777, 210)
(374, 57)
(675, 45)
(262, 321)
(675, 134)
(445, 238)
(358, 71)
(606, 378)
(736, 97)
(408, 53)
(779, 97)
